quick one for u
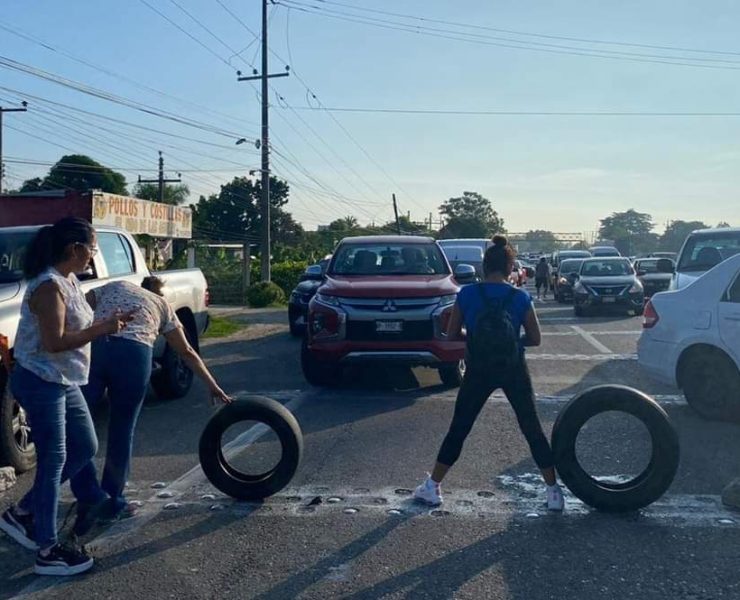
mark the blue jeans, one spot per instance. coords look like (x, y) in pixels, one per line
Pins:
(123, 367)
(65, 441)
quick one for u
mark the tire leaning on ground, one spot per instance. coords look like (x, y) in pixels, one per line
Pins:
(452, 374)
(229, 480)
(631, 495)
(16, 445)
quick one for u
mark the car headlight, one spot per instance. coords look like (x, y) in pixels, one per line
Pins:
(636, 288)
(579, 288)
(563, 281)
(328, 300)
(447, 300)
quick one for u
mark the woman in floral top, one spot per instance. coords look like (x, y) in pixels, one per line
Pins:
(122, 364)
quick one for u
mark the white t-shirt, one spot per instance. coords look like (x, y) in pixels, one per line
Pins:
(153, 316)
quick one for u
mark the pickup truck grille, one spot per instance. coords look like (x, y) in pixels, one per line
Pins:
(365, 331)
(391, 305)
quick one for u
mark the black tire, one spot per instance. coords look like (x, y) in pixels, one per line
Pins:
(318, 373)
(578, 311)
(632, 495)
(225, 477)
(295, 330)
(711, 384)
(174, 379)
(452, 374)
(16, 444)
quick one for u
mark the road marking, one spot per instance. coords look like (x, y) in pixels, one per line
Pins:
(152, 507)
(518, 496)
(574, 334)
(591, 339)
(580, 357)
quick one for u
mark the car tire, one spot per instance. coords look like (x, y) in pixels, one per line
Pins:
(627, 496)
(16, 444)
(711, 384)
(452, 374)
(579, 311)
(174, 378)
(229, 480)
(317, 373)
(295, 329)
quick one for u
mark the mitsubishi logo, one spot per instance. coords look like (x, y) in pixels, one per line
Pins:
(389, 306)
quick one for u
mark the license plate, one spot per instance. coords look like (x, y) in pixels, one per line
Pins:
(608, 300)
(389, 326)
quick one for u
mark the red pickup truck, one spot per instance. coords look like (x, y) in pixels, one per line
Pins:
(385, 299)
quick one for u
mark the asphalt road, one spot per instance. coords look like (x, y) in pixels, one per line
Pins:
(346, 528)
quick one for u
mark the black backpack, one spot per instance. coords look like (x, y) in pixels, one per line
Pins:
(493, 346)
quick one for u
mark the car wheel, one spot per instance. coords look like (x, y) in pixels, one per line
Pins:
(625, 496)
(452, 374)
(295, 329)
(230, 480)
(318, 373)
(578, 311)
(175, 378)
(711, 384)
(16, 444)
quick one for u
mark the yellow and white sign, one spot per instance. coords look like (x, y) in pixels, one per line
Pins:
(142, 216)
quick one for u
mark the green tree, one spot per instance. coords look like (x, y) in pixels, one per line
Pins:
(630, 230)
(470, 215)
(677, 232)
(173, 194)
(78, 172)
(233, 214)
(723, 225)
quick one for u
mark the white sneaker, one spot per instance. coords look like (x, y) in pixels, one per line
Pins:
(429, 492)
(555, 500)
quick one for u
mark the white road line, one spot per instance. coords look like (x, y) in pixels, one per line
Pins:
(581, 357)
(601, 332)
(155, 504)
(591, 339)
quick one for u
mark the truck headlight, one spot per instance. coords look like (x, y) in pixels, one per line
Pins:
(328, 300)
(636, 288)
(447, 300)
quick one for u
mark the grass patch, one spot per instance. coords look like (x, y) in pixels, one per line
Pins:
(221, 327)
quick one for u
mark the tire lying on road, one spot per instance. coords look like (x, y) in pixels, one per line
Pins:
(631, 495)
(231, 481)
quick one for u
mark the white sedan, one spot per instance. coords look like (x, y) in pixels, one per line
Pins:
(691, 339)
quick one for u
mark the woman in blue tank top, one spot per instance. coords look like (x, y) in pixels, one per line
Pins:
(478, 384)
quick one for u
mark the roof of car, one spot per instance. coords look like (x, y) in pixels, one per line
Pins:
(388, 239)
(463, 240)
(717, 230)
(603, 258)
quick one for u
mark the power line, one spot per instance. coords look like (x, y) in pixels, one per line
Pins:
(519, 113)
(531, 34)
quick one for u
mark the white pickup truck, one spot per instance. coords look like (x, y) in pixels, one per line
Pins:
(119, 258)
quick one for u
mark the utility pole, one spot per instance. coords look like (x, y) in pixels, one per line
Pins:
(160, 181)
(395, 211)
(265, 249)
(4, 110)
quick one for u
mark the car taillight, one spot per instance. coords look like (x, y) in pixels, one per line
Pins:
(207, 297)
(650, 316)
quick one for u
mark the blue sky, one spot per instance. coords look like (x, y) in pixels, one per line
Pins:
(542, 172)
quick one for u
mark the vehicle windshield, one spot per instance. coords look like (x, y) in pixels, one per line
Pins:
(563, 256)
(647, 266)
(606, 268)
(703, 252)
(389, 259)
(605, 252)
(571, 265)
(462, 254)
(12, 253)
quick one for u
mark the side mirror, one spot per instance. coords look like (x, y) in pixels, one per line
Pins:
(313, 273)
(665, 265)
(465, 274)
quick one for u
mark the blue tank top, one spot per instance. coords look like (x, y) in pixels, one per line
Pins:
(470, 302)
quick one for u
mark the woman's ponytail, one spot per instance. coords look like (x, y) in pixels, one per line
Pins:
(49, 245)
(38, 253)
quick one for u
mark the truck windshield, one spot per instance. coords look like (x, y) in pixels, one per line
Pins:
(12, 253)
(570, 266)
(705, 251)
(389, 259)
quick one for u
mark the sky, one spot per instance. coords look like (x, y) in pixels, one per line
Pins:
(543, 171)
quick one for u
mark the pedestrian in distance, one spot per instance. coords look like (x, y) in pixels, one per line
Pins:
(52, 361)
(494, 313)
(542, 275)
(122, 365)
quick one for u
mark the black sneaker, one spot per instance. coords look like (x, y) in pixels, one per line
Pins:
(19, 527)
(63, 560)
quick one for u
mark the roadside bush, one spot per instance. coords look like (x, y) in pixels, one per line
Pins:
(264, 294)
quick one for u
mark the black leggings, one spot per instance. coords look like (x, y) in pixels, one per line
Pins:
(474, 391)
